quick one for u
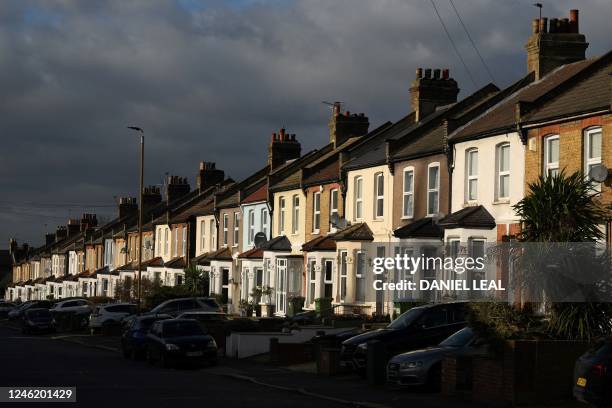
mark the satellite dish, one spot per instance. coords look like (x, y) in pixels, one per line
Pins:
(337, 222)
(334, 219)
(260, 239)
(599, 173)
(437, 217)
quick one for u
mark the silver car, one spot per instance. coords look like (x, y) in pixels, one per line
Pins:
(423, 367)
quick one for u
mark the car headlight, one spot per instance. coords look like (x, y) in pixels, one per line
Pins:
(172, 347)
(212, 344)
(411, 364)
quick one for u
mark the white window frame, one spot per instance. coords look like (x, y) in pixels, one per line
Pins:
(469, 177)
(358, 197)
(225, 229)
(333, 209)
(295, 218)
(312, 279)
(213, 236)
(436, 189)
(343, 275)
(264, 221)
(281, 216)
(316, 212)
(202, 235)
(379, 181)
(408, 213)
(175, 242)
(236, 235)
(360, 274)
(251, 230)
(500, 173)
(549, 166)
(588, 161)
(184, 241)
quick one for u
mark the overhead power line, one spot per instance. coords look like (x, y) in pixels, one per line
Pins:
(472, 41)
(450, 38)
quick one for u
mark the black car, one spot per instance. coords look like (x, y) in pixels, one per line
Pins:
(17, 313)
(37, 321)
(593, 375)
(416, 328)
(134, 334)
(179, 341)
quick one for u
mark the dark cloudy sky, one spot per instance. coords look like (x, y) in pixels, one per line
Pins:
(210, 80)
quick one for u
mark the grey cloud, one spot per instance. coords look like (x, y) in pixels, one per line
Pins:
(209, 80)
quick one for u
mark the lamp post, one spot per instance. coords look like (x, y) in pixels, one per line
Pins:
(139, 130)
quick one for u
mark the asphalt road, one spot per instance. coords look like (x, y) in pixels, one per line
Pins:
(104, 379)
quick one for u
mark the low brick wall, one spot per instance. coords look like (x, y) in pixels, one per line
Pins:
(457, 378)
(528, 372)
(290, 353)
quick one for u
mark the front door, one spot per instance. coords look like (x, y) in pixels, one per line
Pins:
(281, 286)
(225, 283)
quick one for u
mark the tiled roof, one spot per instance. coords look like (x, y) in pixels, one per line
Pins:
(423, 228)
(280, 243)
(223, 254)
(201, 259)
(355, 232)
(201, 207)
(176, 263)
(324, 173)
(253, 253)
(260, 194)
(290, 177)
(503, 115)
(476, 217)
(588, 91)
(323, 243)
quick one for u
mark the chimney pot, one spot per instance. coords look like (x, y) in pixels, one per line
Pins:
(445, 73)
(543, 25)
(436, 74)
(419, 73)
(574, 21)
(428, 73)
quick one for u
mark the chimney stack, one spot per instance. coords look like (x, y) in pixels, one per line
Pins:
(209, 175)
(428, 93)
(60, 233)
(151, 196)
(127, 207)
(73, 227)
(283, 147)
(88, 222)
(176, 187)
(49, 238)
(344, 126)
(12, 245)
(553, 45)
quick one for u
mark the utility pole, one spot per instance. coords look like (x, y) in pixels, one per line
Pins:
(140, 209)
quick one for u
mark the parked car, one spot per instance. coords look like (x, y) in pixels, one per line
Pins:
(105, 316)
(17, 313)
(204, 317)
(593, 375)
(179, 340)
(423, 367)
(416, 328)
(5, 308)
(134, 334)
(37, 320)
(79, 306)
(175, 307)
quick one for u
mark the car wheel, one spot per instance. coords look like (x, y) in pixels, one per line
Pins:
(126, 352)
(149, 357)
(434, 377)
(163, 361)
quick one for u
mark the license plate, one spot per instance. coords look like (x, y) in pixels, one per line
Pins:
(581, 382)
(194, 354)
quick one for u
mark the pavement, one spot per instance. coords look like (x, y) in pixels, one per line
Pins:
(102, 376)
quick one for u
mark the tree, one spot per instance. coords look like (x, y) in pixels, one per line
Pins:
(196, 281)
(563, 215)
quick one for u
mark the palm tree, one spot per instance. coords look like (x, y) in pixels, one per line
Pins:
(563, 215)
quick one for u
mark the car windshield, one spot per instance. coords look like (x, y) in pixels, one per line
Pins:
(181, 328)
(405, 319)
(147, 323)
(459, 339)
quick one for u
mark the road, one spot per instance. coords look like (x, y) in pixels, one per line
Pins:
(105, 379)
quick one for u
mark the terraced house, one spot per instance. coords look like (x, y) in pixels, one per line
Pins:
(445, 177)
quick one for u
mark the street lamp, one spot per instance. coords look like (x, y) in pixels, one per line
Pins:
(139, 130)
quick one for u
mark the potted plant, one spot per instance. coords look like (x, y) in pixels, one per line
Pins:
(256, 294)
(246, 308)
(296, 304)
(266, 296)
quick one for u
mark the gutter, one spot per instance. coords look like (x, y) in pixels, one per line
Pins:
(565, 119)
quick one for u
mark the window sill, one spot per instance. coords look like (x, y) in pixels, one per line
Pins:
(470, 204)
(501, 201)
(407, 218)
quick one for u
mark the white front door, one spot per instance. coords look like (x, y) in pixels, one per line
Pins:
(281, 286)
